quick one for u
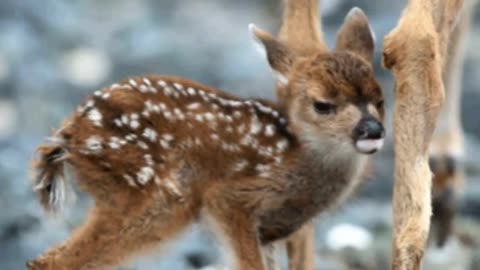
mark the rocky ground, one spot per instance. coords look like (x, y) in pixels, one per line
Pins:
(54, 53)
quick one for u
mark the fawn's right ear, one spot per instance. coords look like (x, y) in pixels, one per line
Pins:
(278, 55)
(356, 35)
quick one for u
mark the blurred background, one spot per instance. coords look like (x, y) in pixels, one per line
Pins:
(53, 53)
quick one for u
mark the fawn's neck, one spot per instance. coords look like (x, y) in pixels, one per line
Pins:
(317, 179)
(326, 172)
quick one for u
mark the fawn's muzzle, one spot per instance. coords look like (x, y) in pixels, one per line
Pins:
(368, 136)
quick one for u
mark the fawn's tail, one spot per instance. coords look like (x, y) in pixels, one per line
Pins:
(50, 175)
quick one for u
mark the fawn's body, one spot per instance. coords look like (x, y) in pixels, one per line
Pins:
(158, 153)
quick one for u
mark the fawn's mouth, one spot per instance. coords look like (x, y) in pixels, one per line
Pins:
(369, 146)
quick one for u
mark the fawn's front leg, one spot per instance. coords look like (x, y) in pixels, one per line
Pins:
(300, 248)
(109, 237)
(237, 226)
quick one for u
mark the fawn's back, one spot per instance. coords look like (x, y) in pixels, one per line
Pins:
(166, 132)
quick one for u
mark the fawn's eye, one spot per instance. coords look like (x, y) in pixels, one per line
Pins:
(324, 107)
(379, 104)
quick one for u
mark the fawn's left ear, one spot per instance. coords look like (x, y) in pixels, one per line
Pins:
(356, 35)
(278, 55)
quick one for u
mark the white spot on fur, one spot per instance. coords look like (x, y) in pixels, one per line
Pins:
(145, 175)
(115, 86)
(165, 144)
(263, 108)
(209, 116)
(239, 166)
(191, 91)
(178, 86)
(270, 130)
(148, 159)
(282, 145)
(162, 106)
(263, 170)
(214, 137)
(198, 141)
(94, 144)
(130, 180)
(193, 106)
(143, 88)
(235, 103)
(241, 128)
(168, 91)
(116, 142)
(134, 124)
(162, 83)
(168, 137)
(265, 151)
(117, 122)
(125, 119)
(248, 140)
(278, 159)
(147, 81)
(131, 137)
(168, 115)
(90, 103)
(132, 83)
(199, 118)
(150, 134)
(114, 145)
(95, 116)
(255, 125)
(172, 188)
(146, 113)
(142, 145)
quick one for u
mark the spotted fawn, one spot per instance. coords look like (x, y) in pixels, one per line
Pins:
(158, 153)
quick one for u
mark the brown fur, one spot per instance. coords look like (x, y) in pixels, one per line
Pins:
(415, 51)
(307, 164)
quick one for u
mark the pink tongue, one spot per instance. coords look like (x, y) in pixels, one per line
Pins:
(369, 145)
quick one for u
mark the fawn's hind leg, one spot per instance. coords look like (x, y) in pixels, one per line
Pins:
(110, 236)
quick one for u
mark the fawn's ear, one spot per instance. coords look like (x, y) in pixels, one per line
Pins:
(278, 55)
(356, 35)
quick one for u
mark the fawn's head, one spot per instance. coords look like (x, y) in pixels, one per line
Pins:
(330, 97)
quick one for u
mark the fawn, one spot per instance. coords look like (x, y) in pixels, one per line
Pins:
(158, 153)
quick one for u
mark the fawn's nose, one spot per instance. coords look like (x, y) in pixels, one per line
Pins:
(369, 129)
(368, 136)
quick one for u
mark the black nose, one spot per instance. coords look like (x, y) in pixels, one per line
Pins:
(368, 128)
